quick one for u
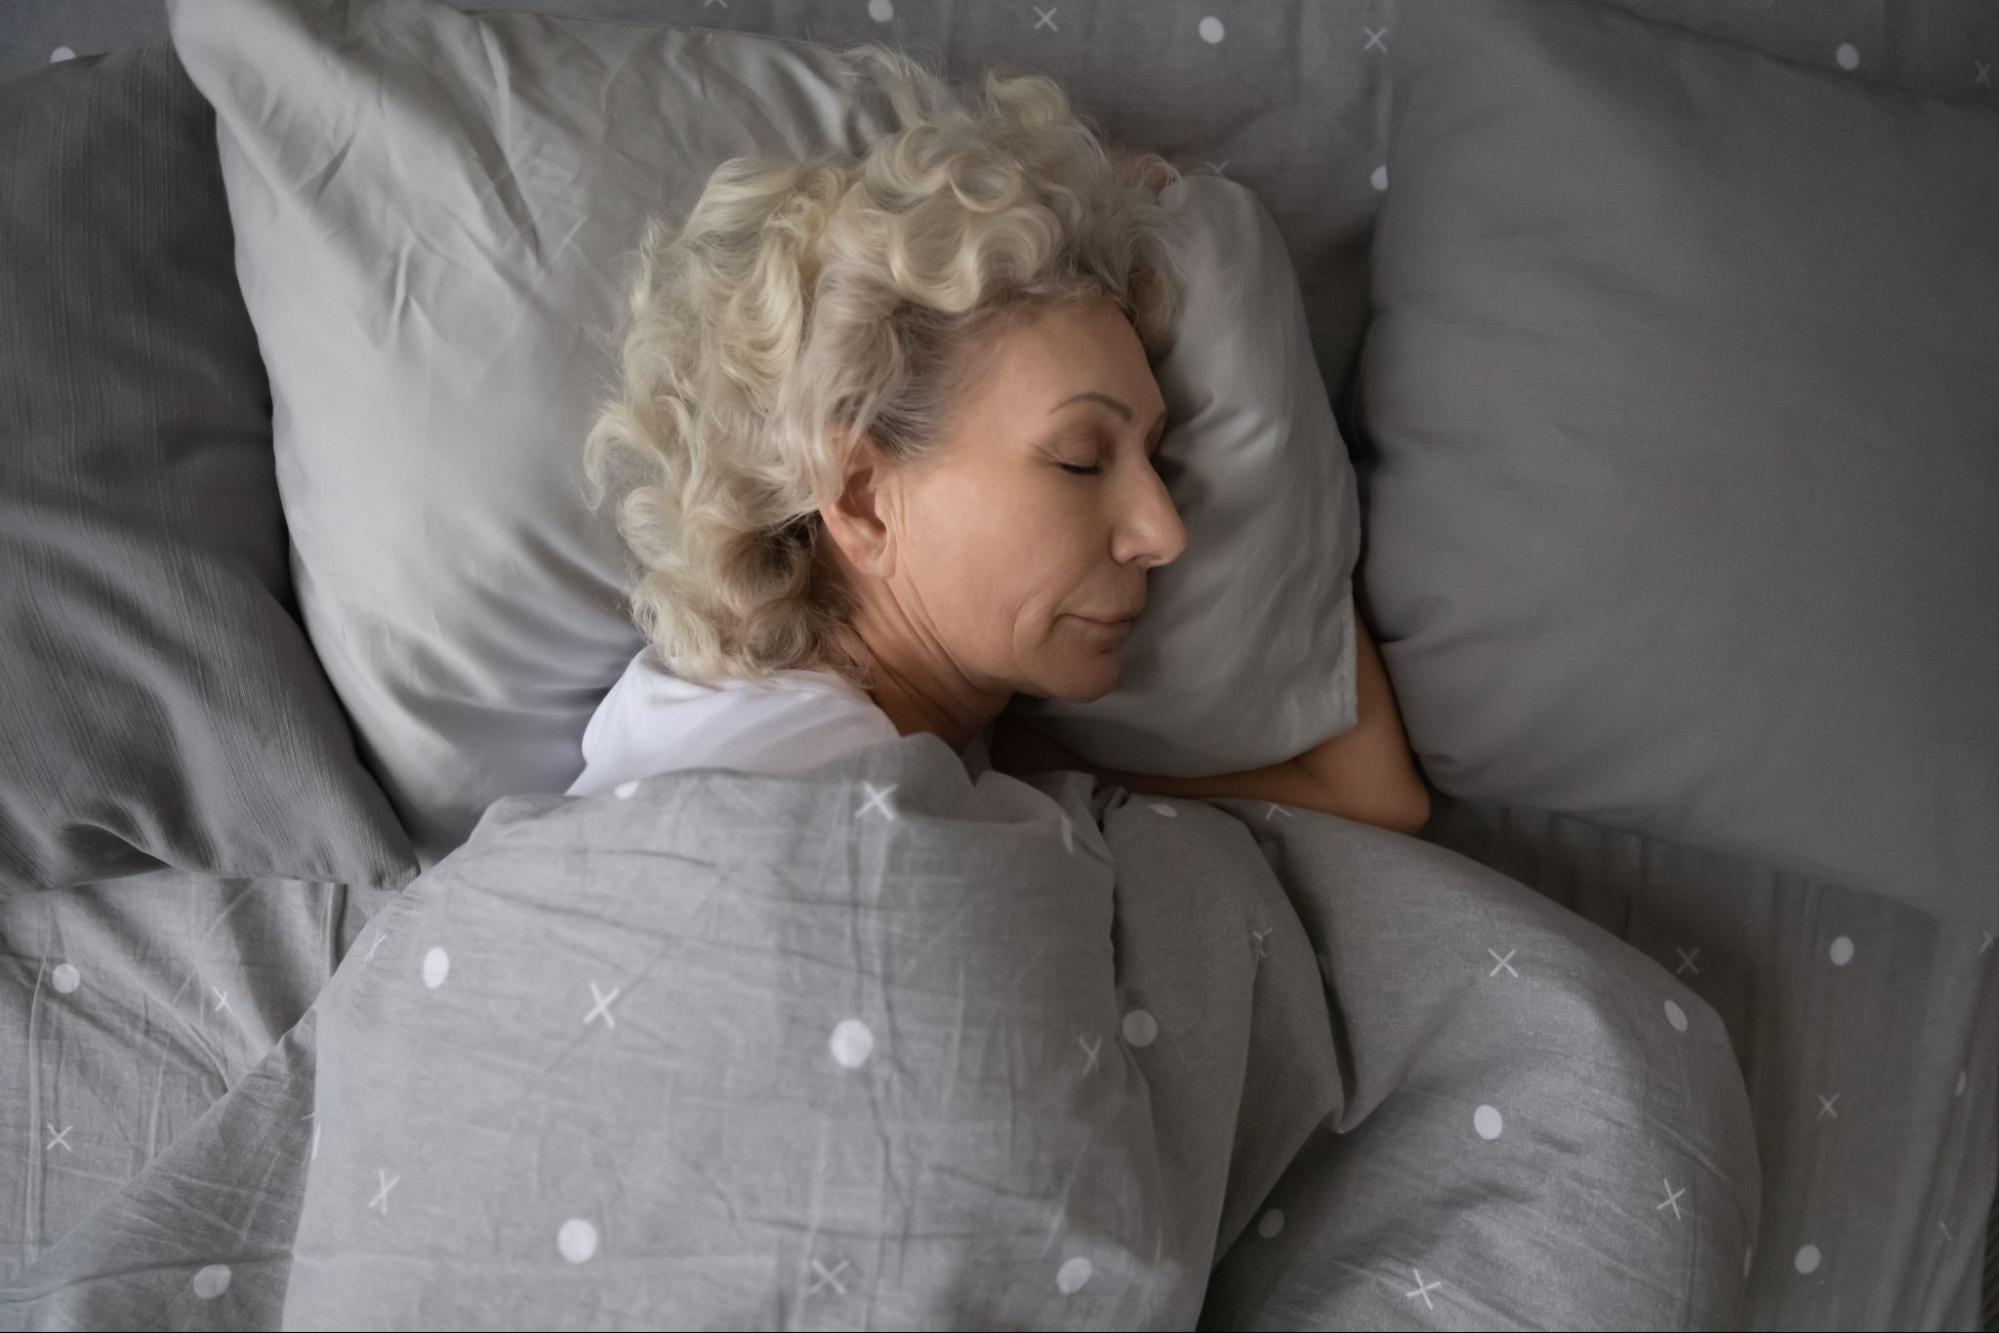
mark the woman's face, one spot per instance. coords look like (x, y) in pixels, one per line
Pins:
(1034, 523)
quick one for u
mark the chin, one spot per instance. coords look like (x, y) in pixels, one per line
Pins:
(1085, 682)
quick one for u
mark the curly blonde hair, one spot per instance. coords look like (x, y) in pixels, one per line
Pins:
(805, 304)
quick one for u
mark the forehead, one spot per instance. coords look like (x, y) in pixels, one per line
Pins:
(1063, 350)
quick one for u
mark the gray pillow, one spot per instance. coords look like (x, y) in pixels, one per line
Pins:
(1681, 468)
(433, 213)
(158, 705)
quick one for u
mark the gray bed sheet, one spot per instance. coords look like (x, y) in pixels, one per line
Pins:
(1872, 1080)
(128, 1008)
(879, 1046)
(155, 1017)
(1868, 1035)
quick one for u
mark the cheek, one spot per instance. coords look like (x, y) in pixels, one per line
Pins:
(1009, 527)
(1002, 562)
(956, 564)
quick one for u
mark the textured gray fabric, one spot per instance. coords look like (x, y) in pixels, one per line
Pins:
(127, 1008)
(1679, 411)
(1875, 1079)
(158, 704)
(879, 1047)
(1989, 1318)
(1292, 102)
(144, 1260)
(436, 371)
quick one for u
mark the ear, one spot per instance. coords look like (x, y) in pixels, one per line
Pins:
(858, 519)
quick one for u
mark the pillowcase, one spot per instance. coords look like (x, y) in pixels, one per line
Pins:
(434, 213)
(1681, 405)
(1245, 653)
(158, 704)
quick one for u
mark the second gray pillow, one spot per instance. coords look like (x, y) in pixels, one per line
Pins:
(1682, 487)
(158, 703)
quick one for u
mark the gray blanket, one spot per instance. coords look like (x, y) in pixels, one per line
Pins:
(877, 1046)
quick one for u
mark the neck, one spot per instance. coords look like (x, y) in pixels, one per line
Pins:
(923, 690)
(914, 709)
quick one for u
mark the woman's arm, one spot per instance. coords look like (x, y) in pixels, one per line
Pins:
(1369, 768)
(1365, 773)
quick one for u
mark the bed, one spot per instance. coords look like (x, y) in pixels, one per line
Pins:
(164, 1025)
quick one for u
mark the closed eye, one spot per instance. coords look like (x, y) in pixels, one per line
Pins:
(1104, 444)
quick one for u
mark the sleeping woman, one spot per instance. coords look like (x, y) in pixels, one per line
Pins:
(884, 456)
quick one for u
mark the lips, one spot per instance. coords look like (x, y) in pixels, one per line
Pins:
(1114, 615)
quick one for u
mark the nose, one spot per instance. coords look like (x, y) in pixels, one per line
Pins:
(1149, 531)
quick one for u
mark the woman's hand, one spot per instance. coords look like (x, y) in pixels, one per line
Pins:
(1018, 749)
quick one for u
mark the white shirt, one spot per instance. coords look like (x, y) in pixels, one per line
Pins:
(653, 722)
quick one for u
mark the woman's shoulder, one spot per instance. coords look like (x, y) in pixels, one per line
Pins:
(647, 674)
(653, 721)
(650, 691)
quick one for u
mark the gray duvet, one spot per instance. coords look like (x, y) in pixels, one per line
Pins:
(877, 1046)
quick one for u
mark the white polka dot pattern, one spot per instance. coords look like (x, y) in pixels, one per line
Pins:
(852, 1043)
(1140, 1028)
(577, 1240)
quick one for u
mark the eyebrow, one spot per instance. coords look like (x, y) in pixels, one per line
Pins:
(1116, 405)
(1092, 396)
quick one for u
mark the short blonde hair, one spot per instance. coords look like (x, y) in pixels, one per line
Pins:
(806, 303)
